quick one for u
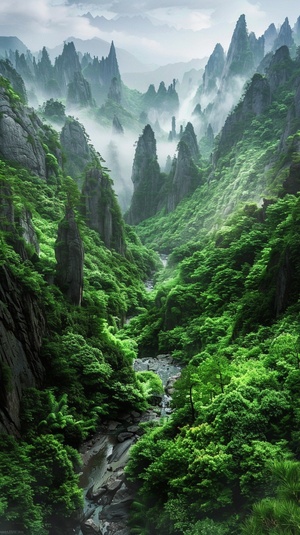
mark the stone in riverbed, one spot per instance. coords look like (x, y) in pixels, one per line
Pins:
(124, 436)
(133, 429)
(90, 528)
(114, 485)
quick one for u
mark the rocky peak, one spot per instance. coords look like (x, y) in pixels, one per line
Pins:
(239, 59)
(66, 65)
(190, 139)
(100, 209)
(44, 70)
(19, 132)
(112, 61)
(257, 47)
(69, 256)
(285, 36)
(100, 74)
(7, 71)
(279, 69)
(213, 69)
(150, 96)
(270, 36)
(185, 178)
(76, 148)
(146, 179)
(110, 67)
(296, 32)
(257, 97)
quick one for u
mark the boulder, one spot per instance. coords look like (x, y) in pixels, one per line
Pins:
(90, 528)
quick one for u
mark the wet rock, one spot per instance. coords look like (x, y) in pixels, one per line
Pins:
(113, 425)
(95, 494)
(119, 508)
(133, 429)
(119, 450)
(114, 485)
(124, 436)
(90, 528)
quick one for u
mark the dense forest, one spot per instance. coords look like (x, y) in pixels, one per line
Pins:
(75, 313)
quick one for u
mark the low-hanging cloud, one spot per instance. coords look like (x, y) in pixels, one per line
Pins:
(42, 23)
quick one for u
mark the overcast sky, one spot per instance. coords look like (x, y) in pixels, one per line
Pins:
(49, 22)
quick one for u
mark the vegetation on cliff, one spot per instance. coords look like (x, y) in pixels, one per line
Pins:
(227, 306)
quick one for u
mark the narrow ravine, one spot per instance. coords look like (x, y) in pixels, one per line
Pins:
(107, 494)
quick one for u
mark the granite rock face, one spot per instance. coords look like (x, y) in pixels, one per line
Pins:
(22, 327)
(66, 65)
(19, 134)
(69, 255)
(185, 179)
(101, 211)
(239, 60)
(77, 150)
(7, 71)
(214, 69)
(79, 93)
(285, 36)
(279, 69)
(146, 179)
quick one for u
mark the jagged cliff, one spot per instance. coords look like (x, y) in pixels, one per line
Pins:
(257, 98)
(154, 191)
(213, 70)
(22, 327)
(79, 94)
(66, 65)
(184, 176)
(76, 148)
(20, 133)
(69, 254)
(7, 71)
(100, 209)
(104, 76)
(146, 179)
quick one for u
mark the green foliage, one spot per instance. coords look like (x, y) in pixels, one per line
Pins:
(150, 384)
(54, 110)
(37, 483)
(279, 515)
(230, 317)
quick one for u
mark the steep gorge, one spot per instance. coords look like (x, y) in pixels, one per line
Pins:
(72, 271)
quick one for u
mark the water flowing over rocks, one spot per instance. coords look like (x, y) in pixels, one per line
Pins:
(108, 495)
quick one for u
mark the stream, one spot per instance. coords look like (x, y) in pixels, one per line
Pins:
(107, 494)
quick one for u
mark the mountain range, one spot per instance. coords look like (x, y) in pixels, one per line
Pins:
(222, 205)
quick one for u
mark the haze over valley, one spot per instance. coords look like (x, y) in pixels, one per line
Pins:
(149, 267)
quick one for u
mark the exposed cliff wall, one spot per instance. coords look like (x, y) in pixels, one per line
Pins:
(76, 148)
(19, 133)
(22, 327)
(69, 255)
(101, 211)
(146, 179)
(66, 65)
(185, 177)
(7, 71)
(79, 93)
(214, 69)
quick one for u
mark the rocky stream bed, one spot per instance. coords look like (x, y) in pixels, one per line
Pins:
(108, 495)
